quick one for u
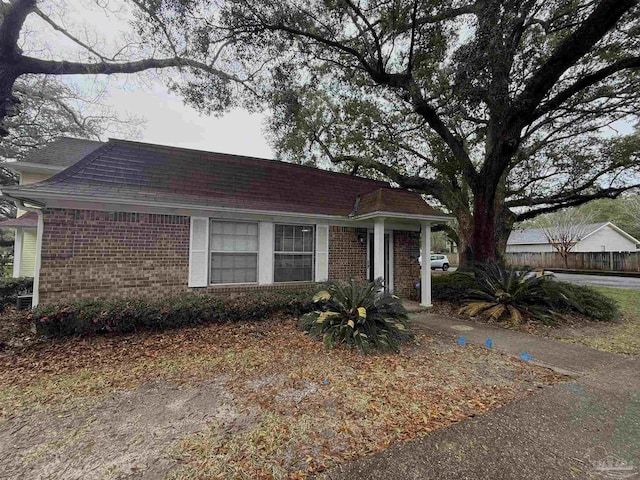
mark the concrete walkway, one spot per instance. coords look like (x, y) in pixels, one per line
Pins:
(566, 358)
(588, 428)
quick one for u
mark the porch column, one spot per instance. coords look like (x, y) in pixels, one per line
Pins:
(378, 249)
(425, 269)
(17, 252)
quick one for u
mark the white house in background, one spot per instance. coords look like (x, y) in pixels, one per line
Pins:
(599, 237)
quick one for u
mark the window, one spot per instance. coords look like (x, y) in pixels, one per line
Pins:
(294, 248)
(234, 252)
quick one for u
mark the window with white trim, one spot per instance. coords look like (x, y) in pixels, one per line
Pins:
(294, 253)
(233, 248)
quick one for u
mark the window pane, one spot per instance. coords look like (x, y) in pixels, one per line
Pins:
(293, 268)
(234, 237)
(234, 268)
(294, 238)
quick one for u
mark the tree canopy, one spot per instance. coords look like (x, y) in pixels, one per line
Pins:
(498, 110)
(87, 54)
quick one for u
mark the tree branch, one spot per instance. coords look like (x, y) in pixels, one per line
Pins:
(585, 82)
(575, 201)
(602, 19)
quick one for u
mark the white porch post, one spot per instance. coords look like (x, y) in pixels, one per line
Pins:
(378, 249)
(17, 253)
(425, 270)
(38, 262)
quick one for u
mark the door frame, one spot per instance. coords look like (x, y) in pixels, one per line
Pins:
(389, 267)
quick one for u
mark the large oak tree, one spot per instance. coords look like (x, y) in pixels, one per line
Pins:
(499, 110)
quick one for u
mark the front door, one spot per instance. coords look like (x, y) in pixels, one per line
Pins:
(370, 259)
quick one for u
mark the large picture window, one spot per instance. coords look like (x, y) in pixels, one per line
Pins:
(234, 252)
(294, 248)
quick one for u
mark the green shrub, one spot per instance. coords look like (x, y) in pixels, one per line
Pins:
(452, 287)
(358, 315)
(502, 292)
(584, 300)
(123, 316)
(10, 288)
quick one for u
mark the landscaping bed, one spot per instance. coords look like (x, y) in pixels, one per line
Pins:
(609, 320)
(234, 400)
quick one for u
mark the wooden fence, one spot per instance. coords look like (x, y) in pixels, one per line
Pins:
(613, 261)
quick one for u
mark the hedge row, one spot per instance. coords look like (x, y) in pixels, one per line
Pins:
(123, 316)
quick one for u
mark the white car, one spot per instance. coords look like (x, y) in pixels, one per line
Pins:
(439, 261)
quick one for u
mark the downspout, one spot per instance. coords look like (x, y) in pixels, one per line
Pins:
(39, 234)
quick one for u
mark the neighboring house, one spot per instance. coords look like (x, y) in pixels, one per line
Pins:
(598, 237)
(131, 219)
(37, 166)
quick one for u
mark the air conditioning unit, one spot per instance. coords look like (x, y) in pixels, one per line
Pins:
(24, 302)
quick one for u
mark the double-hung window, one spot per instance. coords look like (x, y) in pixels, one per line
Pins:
(294, 253)
(234, 252)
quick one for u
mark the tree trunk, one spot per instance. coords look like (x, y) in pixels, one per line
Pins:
(483, 237)
(8, 101)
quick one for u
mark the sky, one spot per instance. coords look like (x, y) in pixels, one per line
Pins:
(167, 120)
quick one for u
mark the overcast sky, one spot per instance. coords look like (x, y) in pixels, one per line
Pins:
(167, 120)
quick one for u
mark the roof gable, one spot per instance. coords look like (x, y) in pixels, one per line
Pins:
(536, 235)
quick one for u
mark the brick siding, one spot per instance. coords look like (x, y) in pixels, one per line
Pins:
(347, 256)
(406, 249)
(90, 254)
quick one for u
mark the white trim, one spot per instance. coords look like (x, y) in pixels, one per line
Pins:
(17, 252)
(391, 266)
(266, 237)
(81, 201)
(425, 268)
(378, 250)
(38, 261)
(615, 228)
(202, 282)
(209, 252)
(321, 273)
(311, 253)
(403, 216)
(28, 167)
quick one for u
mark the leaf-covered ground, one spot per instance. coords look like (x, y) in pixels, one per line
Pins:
(250, 400)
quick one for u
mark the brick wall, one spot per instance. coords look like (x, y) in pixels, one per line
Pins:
(88, 254)
(406, 249)
(347, 256)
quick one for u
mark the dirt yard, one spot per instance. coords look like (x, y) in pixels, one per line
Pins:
(258, 400)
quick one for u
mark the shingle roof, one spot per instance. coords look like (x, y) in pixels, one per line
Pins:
(138, 172)
(393, 200)
(62, 152)
(29, 219)
(536, 235)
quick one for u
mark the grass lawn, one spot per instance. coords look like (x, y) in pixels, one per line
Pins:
(618, 337)
(249, 400)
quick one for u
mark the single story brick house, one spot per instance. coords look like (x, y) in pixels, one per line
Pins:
(128, 219)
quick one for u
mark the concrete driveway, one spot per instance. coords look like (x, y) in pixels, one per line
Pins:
(600, 280)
